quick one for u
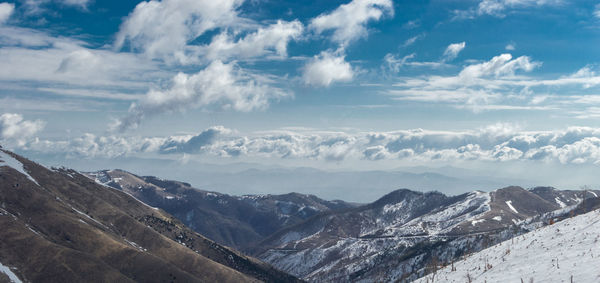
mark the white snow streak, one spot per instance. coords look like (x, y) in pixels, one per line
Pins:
(509, 203)
(11, 275)
(15, 164)
(562, 204)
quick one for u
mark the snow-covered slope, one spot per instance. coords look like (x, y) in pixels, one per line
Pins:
(568, 251)
(397, 236)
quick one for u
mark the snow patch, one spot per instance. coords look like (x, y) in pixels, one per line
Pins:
(15, 164)
(562, 204)
(475, 222)
(509, 203)
(89, 217)
(11, 275)
(135, 245)
(593, 193)
(497, 218)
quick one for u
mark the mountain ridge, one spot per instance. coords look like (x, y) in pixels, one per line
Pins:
(59, 225)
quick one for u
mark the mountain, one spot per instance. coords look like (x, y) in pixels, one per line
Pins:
(236, 221)
(60, 226)
(399, 235)
(348, 184)
(568, 251)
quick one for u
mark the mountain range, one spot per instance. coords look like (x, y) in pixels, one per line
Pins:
(393, 238)
(113, 225)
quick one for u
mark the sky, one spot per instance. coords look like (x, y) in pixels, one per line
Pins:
(509, 86)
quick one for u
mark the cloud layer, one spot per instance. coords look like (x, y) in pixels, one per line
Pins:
(495, 143)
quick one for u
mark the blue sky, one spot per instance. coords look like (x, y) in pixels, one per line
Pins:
(330, 84)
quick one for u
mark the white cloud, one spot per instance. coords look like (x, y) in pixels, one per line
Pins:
(36, 7)
(498, 8)
(14, 129)
(271, 39)
(327, 68)
(219, 84)
(412, 40)
(597, 11)
(79, 3)
(495, 143)
(452, 51)
(162, 29)
(6, 10)
(497, 85)
(394, 64)
(64, 63)
(477, 84)
(412, 24)
(348, 21)
(510, 47)
(502, 65)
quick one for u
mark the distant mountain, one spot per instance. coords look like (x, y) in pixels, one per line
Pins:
(397, 236)
(355, 186)
(60, 226)
(567, 251)
(401, 236)
(236, 221)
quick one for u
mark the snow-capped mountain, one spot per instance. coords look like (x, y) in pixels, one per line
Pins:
(236, 221)
(395, 237)
(568, 251)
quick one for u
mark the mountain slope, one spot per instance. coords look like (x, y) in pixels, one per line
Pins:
(398, 235)
(58, 225)
(568, 251)
(239, 222)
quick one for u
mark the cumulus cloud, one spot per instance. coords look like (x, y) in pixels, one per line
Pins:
(162, 29)
(6, 10)
(220, 84)
(271, 39)
(327, 68)
(194, 144)
(452, 51)
(348, 21)
(13, 128)
(502, 65)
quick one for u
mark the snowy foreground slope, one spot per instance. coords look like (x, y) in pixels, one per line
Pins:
(568, 251)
